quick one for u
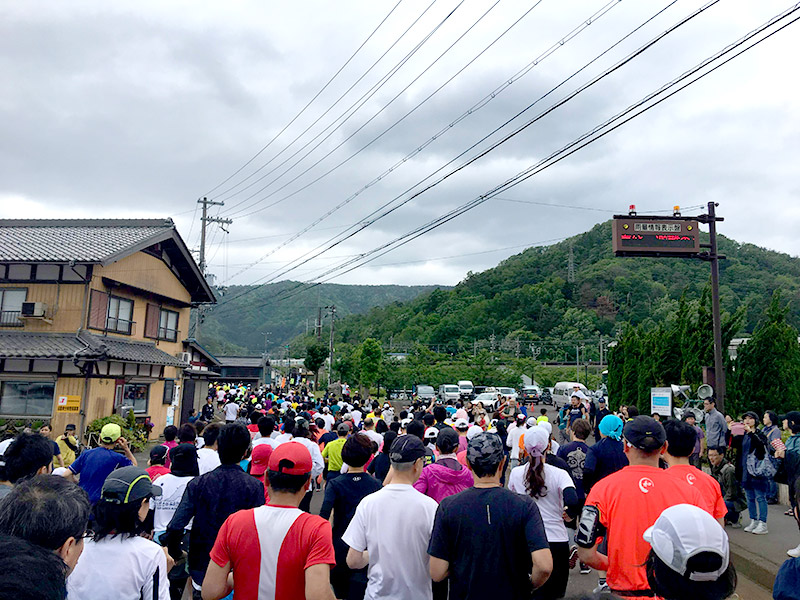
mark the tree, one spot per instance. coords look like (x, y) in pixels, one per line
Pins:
(370, 360)
(767, 374)
(316, 355)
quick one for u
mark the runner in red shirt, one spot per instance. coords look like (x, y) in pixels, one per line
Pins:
(681, 437)
(275, 551)
(624, 504)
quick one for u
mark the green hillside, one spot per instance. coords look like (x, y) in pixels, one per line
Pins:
(239, 327)
(527, 296)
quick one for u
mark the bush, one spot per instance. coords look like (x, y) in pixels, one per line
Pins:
(132, 432)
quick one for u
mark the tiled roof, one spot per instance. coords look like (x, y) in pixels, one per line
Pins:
(81, 240)
(20, 344)
(130, 351)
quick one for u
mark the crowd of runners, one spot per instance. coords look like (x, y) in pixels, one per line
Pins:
(424, 501)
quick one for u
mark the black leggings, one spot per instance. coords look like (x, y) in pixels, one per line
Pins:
(556, 585)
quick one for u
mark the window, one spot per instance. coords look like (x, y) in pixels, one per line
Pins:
(136, 395)
(168, 325)
(27, 398)
(120, 313)
(11, 307)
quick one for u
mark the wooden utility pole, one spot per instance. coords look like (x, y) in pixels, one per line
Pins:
(332, 308)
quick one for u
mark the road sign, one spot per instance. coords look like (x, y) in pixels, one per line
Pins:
(68, 404)
(661, 401)
(655, 236)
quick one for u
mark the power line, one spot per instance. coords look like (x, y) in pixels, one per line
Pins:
(324, 87)
(372, 218)
(590, 137)
(373, 90)
(385, 106)
(472, 110)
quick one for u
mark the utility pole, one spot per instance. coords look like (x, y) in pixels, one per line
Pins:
(319, 323)
(332, 308)
(713, 257)
(571, 264)
(204, 220)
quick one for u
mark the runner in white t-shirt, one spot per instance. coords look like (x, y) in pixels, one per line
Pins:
(231, 411)
(552, 489)
(395, 549)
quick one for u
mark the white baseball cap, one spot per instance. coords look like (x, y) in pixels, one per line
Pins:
(431, 433)
(531, 421)
(462, 424)
(536, 440)
(683, 531)
(473, 431)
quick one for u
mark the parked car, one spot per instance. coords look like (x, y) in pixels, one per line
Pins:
(449, 391)
(529, 394)
(508, 393)
(546, 397)
(425, 393)
(479, 389)
(489, 400)
(466, 389)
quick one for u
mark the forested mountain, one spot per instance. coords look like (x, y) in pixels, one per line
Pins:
(239, 327)
(528, 297)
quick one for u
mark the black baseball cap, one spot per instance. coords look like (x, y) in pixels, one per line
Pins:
(127, 485)
(183, 461)
(158, 453)
(644, 433)
(406, 449)
(447, 438)
(485, 449)
(70, 427)
(343, 428)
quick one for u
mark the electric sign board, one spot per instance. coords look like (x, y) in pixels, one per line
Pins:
(655, 236)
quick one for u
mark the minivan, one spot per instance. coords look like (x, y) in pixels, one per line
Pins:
(466, 389)
(562, 392)
(448, 391)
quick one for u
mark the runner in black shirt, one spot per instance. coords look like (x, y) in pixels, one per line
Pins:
(342, 496)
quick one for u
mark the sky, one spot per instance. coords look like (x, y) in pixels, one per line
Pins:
(313, 115)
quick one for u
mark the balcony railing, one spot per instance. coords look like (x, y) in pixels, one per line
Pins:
(165, 333)
(11, 318)
(119, 325)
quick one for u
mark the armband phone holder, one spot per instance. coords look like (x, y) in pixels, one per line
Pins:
(589, 527)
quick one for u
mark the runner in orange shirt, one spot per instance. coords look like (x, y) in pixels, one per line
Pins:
(623, 505)
(681, 438)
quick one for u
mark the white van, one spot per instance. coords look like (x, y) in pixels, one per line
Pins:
(449, 391)
(562, 392)
(466, 389)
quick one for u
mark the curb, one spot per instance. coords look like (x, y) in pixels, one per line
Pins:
(754, 566)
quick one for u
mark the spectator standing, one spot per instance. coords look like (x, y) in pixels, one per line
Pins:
(755, 450)
(395, 549)
(488, 529)
(772, 431)
(716, 426)
(342, 497)
(93, 466)
(212, 498)
(28, 455)
(68, 444)
(275, 551)
(208, 455)
(791, 456)
(732, 493)
(48, 511)
(694, 458)
(117, 562)
(625, 503)
(681, 438)
(207, 412)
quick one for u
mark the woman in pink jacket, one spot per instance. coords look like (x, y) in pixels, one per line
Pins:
(446, 476)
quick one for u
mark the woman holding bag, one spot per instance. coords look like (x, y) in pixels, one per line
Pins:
(758, 468)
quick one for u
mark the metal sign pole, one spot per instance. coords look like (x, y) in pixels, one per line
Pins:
(713, 257)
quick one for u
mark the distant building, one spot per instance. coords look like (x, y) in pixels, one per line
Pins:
(93, 318)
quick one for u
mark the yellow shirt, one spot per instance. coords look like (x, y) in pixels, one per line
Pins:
(67, 453)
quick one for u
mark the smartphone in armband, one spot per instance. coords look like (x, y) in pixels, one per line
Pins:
(589, 527)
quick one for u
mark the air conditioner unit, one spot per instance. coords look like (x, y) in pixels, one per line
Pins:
(185, 357)
(33, 309)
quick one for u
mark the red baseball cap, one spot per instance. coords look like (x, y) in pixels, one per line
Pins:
(259, 460)
(291, 458)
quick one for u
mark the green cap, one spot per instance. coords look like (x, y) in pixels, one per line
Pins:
(110, 433)
(128, 484)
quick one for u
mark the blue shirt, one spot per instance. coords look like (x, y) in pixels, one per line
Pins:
(94, 466)
(787, 581)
